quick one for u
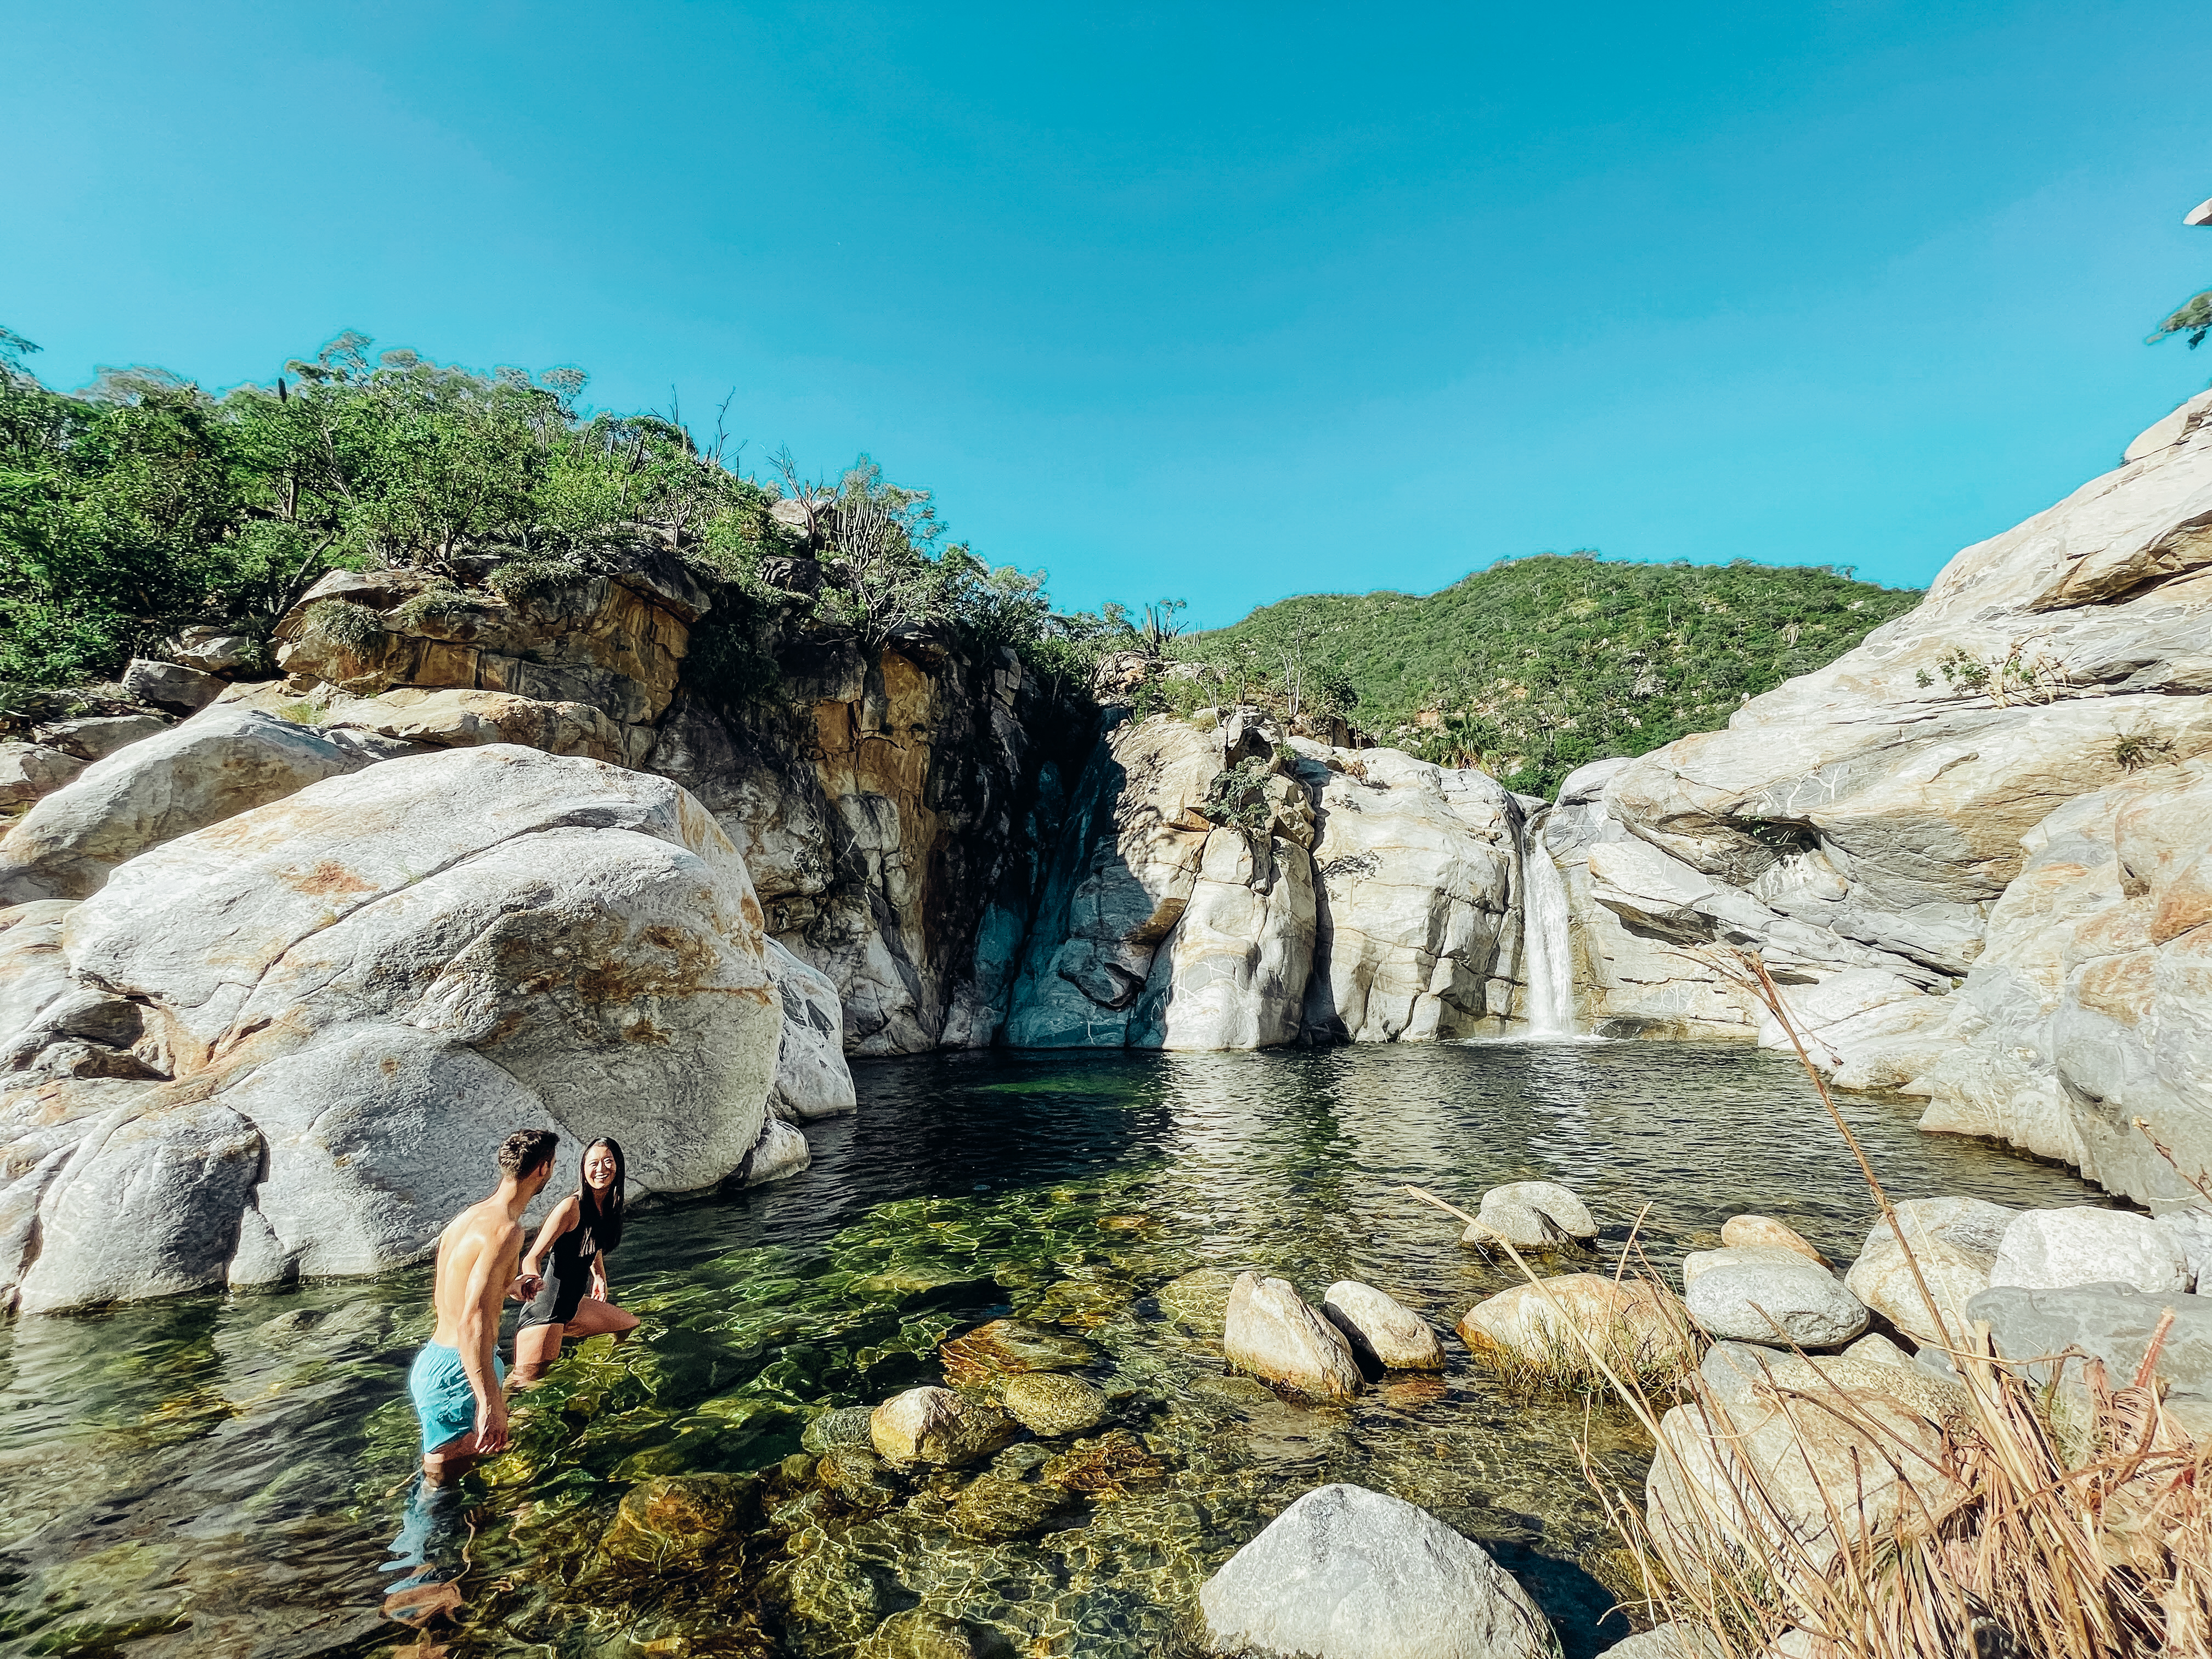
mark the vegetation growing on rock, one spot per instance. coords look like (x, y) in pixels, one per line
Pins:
(1533, 667)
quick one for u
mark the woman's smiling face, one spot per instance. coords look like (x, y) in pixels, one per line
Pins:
(598, 1169)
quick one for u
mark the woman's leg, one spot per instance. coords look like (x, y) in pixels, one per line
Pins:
(536, 1348)
(598, 1318)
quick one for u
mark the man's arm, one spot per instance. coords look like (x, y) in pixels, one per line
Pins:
(488, 1278)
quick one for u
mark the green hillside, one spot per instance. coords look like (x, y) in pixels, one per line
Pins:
(1531, 668)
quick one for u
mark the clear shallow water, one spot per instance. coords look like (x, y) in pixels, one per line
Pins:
(225, 1474)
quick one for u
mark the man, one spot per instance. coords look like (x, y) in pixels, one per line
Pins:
(456, 1382)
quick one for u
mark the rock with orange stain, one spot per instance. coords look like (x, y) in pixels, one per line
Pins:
(376, 978)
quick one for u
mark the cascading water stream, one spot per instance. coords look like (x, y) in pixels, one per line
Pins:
(1544, 947)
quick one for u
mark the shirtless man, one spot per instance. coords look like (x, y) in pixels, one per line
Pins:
(456, 1381)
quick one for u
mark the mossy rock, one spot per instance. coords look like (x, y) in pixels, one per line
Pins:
(846, 1426)
(679, 1517)
(941, 1426)
(859, 1477)
(1114, 1464)
(993, 1507)
(919, 1634)
(1009, 1348)
(1051, 1403)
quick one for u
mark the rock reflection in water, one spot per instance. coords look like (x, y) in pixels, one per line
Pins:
(226, 1475)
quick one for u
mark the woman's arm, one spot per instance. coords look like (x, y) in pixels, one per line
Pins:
(562, 1219)
(600, 1277)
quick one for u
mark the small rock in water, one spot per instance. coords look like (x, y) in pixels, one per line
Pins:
(937, 1425)
(1008, 1348)
(1052, 1403)
(857, 1475)
(1269, 1331)
(1534, 1321)
(1381, 1328)
(996, 1506)
(2058, 1249)
(1756, 1302)
(1742, 1256)
(1114, 1464)
(1744, 1230)
(921, 1634)
(1531, 1215)
(846, 1426)
(677, 1515)
(1345, 1573)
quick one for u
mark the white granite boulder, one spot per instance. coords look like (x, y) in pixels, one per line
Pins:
(2055, 1250)
(812, 1078)
(31, 771)
(1346, 1573)
(1531, 1215)
(1954, 1241)
(182, 778)
(1271, 1332)
(1776, 1303)
(1382, 1329)
(352, 994)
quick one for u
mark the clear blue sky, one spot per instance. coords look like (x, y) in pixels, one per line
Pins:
(1224, 302)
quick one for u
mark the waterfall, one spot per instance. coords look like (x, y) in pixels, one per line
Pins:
(1550, 973)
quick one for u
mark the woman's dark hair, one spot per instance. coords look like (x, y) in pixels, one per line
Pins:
(607, 1221)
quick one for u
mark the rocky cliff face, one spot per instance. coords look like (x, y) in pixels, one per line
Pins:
(1969, 849)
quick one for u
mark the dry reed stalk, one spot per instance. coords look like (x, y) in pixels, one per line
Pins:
(1992, 1542)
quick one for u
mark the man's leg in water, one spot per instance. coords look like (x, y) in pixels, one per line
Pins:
(536, 1348)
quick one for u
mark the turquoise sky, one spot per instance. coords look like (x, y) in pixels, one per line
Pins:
(1222, 302)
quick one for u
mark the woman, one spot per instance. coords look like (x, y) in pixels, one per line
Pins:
(569, 1256)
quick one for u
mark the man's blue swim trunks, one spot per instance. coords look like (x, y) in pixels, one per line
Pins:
(443, 1399)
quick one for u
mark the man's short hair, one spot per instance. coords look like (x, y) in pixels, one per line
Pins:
(526, 1151)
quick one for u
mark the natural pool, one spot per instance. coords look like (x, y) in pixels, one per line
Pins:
(227, 1475)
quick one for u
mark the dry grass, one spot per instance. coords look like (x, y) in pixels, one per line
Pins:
(1994, 1535)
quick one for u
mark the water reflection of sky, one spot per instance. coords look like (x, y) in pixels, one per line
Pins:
(223, 1475)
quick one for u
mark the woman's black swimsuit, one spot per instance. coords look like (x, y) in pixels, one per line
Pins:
(567, 1276)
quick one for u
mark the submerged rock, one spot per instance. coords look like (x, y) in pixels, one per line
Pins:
(847, 1426)
(1050, 1403)
(1009, 1348)
(1954, 1241)
(996, 1506)
(937, 1425)
(1761, 1302)
(1199, 1299)
(1270, 1332)
(857, 1475)
(1345, 1573)
(679, 1515)
(918, 1633)
(1381, 1329)
(2055, 1250)
(1114, 1464)
(1531, 1215)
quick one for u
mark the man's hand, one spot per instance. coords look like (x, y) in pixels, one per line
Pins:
(491, 1425)
(525, 1286)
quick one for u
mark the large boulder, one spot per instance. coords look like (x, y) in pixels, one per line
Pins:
(1273, 1333)
(1416, 905)
(812, 1078)
(1162, 924)
(2054, 1249)
(2007, 786)
(31, 771)
(1955, 1242)
(170, 685)
(2112, 1323)
(1346, 1573)
(352, 993)
(183, 778)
